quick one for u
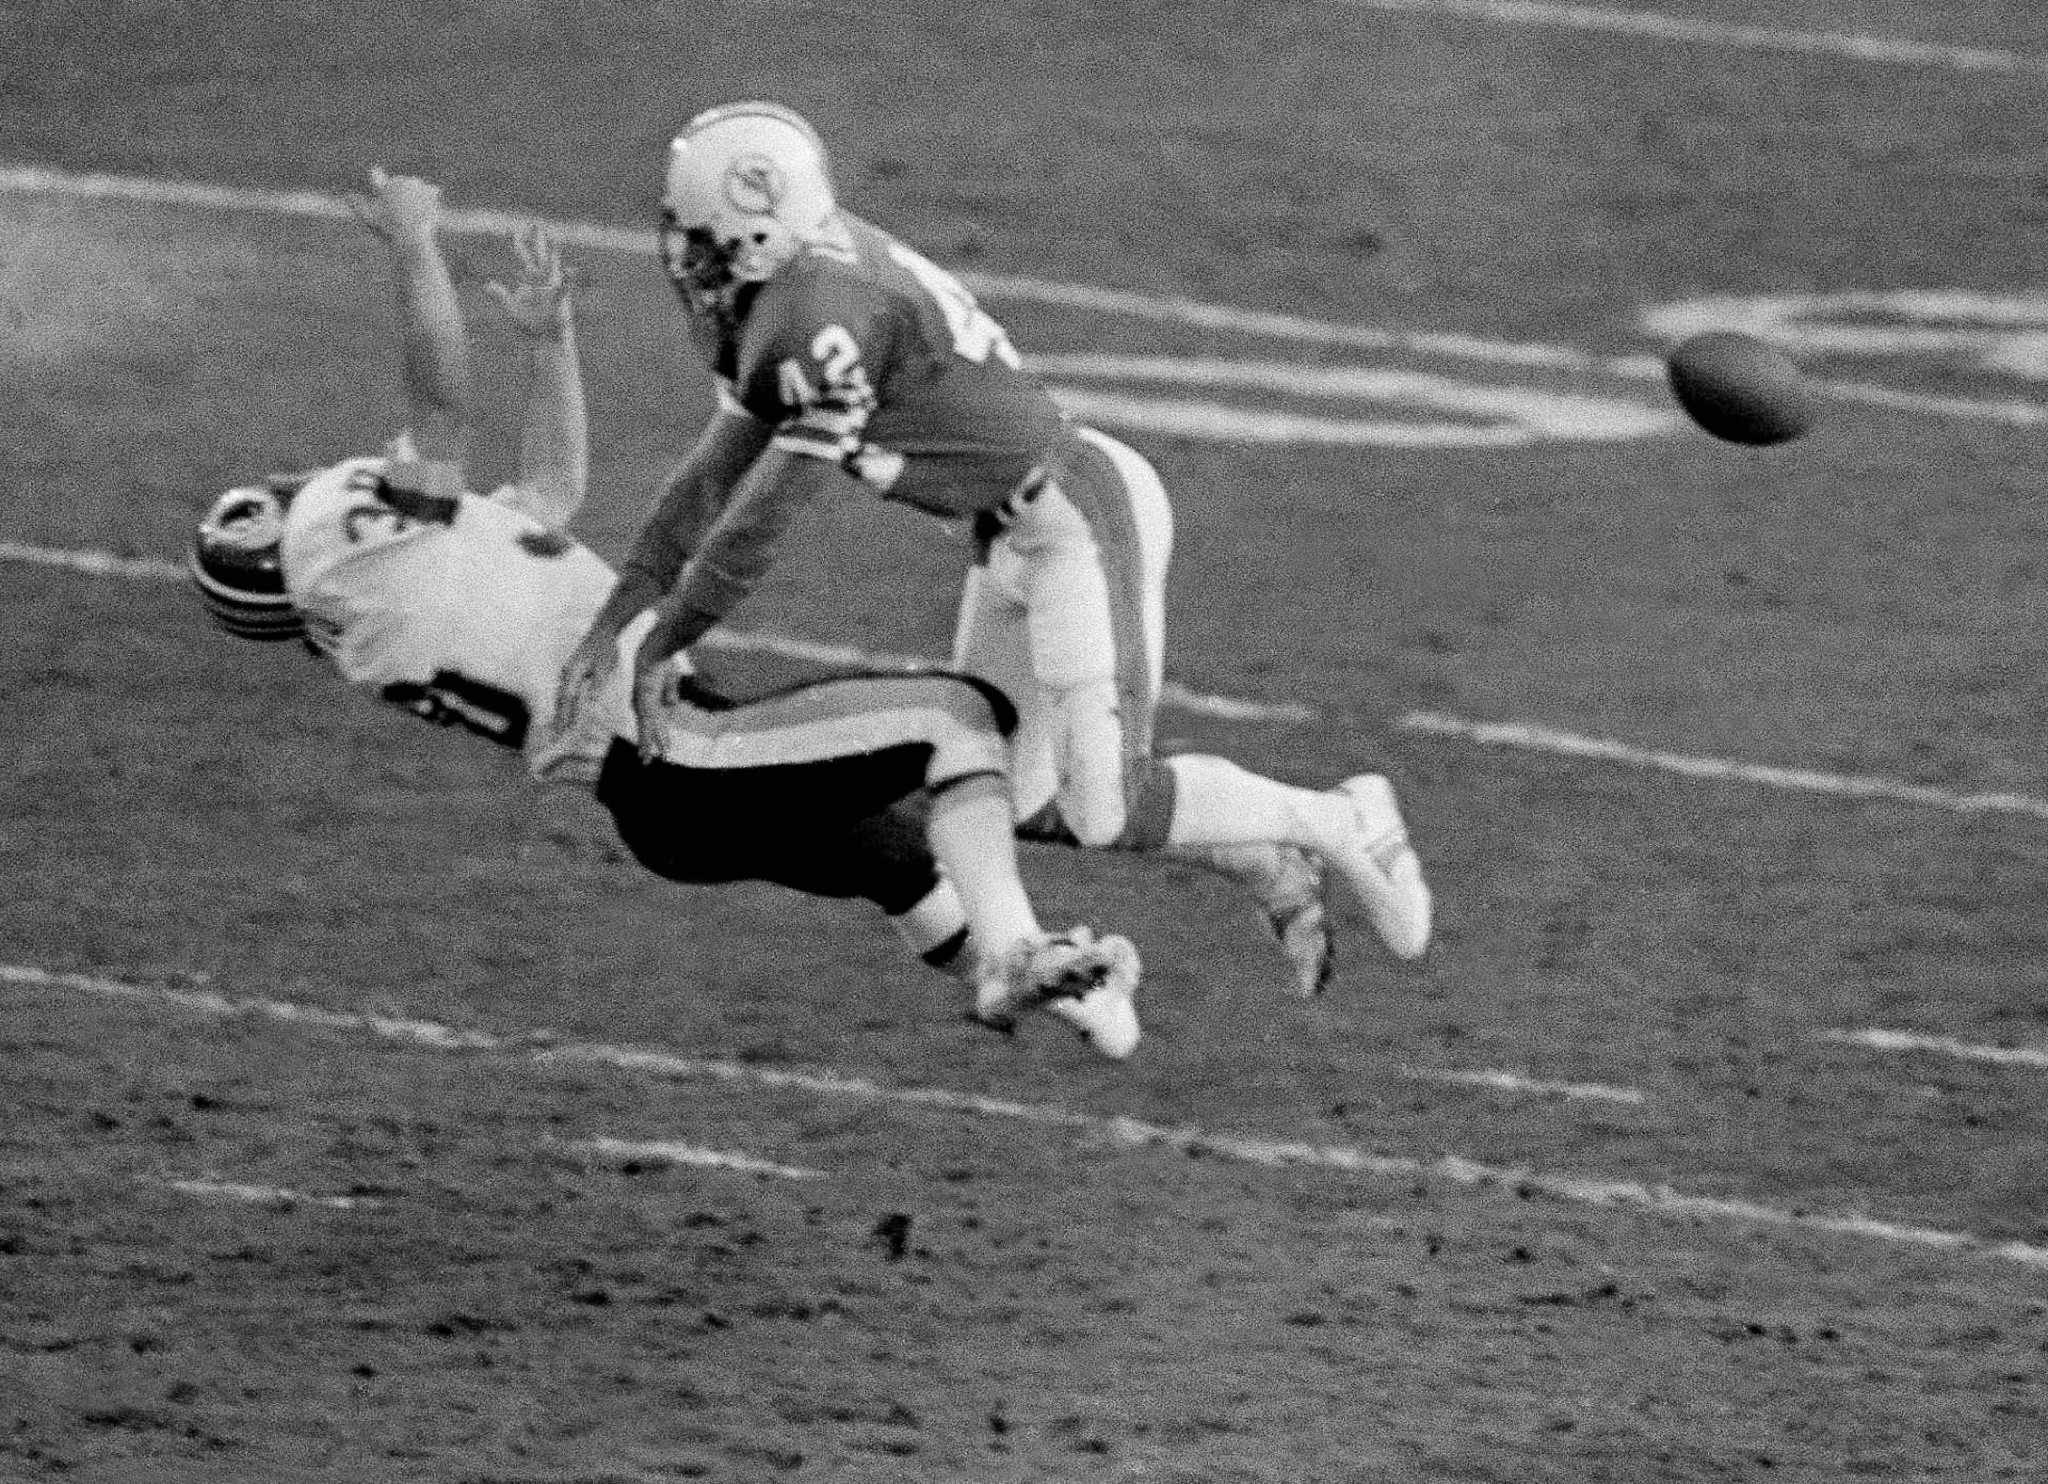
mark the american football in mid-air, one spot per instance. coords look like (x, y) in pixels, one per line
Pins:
(1739, 388)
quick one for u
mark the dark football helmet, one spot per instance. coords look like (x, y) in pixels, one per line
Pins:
(235, 562)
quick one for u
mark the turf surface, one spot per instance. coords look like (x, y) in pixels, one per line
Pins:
(501, 1307)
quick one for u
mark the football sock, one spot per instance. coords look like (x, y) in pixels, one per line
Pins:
(969, 830)
(935, 927)
(951, 956)
(1216, 802)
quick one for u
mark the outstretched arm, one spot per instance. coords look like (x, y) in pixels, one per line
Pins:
(554, 439)
(689, 507)
(696, 495)
(405, 211)
(737, 551)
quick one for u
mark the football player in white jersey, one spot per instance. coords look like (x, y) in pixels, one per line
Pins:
(465, 607)
(851, 366)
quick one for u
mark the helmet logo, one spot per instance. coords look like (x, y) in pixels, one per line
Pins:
(754, 185)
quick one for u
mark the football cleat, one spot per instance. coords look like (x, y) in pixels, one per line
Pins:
(1287, 882)
(1087, 981)
(1293, 902)
(1107, 1018)
(1382, 868)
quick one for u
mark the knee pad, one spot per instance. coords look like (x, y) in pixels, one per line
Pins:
(1145, 822)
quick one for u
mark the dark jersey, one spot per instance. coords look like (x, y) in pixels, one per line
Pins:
(862, 352)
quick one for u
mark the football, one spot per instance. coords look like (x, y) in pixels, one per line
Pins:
(1739, 388)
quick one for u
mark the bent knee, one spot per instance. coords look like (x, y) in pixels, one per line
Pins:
(1095, 824)
(1139, 818)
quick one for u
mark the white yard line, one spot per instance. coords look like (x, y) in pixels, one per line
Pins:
(1610, 418)
(1897, 51)
(93, 563)
(543, 1050)
(262, 1195)
(2011, 411)
(679, 1152)
(2034, 1058)
(158, 569)
(1524, 736)
(1158, 308)
(1166, 309)
(1516, 1082)
(659, 1151)
(1530, 737)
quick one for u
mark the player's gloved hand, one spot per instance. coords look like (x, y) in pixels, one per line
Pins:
(540, 303)
(588, 665)
(398, 208)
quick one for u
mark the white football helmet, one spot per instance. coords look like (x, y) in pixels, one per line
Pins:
(749, 184)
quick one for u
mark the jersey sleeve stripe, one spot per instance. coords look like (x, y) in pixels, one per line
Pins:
(832, 450)
(848, 424)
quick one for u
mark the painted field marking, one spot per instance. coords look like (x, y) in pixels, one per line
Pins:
(542, 1049)
(1847, 46)
(2032, 1057)
(263, 1195)
(2011, 411)
(1198, 420)
(94, 563)
(2002, 335)
(760, 641)
(1526, 736)
(1998, 332)
(1166, 309)
(1514, 414)
(655, 1151)
(1516, 1082)
(1487, 416)
(678, 1152)
(1534, 738)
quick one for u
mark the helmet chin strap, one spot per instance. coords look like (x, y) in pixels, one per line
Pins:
(715, 334)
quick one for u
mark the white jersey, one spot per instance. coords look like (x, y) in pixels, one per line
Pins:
(465, 615)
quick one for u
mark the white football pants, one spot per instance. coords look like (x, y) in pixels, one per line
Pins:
(1068, 617)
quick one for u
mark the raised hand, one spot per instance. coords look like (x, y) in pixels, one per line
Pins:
(540, 303)
(397, 207)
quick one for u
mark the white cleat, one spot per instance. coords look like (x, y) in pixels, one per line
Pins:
(1382, 867)
(1287, 882)
(1106, 1017)
(1087, 981)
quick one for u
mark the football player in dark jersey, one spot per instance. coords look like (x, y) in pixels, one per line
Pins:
(851, 365)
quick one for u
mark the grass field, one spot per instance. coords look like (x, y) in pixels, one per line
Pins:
(316, 1022)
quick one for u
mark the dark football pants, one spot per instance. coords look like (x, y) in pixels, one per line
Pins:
(847, 827)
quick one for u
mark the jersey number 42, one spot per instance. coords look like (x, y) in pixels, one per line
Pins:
(976, 337)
